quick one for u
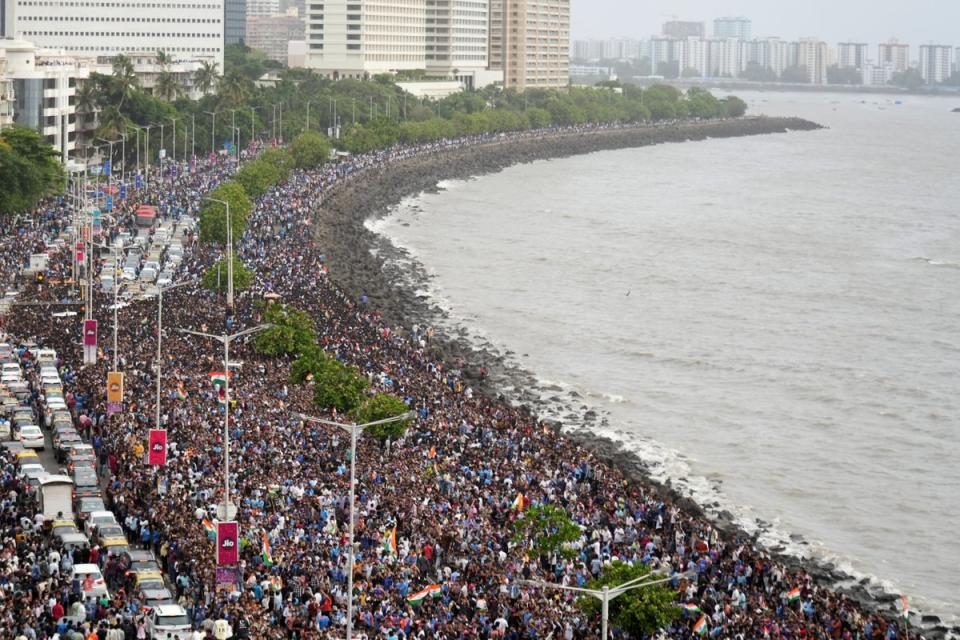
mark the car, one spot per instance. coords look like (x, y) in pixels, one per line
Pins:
(148, 274)
(128, 274)
(46, 356)
(85, 505)
(23, 412)
(60, 528)
(91, 580)
(106, 283)
(74, 541)
(80, 452)
(7, 378)
(98, 518)
(33, 473)
(84, 478)
(168, 621)
(164, 279)
(142, 560)
(115, 546)
(156, 597)
(32, 438)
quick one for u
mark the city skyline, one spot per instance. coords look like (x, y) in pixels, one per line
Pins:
(921, 22)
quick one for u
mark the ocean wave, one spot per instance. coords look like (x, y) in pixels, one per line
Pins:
(938, 263)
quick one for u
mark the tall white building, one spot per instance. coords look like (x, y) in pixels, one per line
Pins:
(877, 75)
(7, 96)
(258, 8)
(772, 53)
(44, 84)
(895, 53)
(187, 29)
(457, 38)
(350, 38)
(936, 62)
(852, 55)
(739, 28)
(811, 54)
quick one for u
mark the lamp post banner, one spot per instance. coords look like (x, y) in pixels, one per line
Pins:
(115, 387)
(157, 451)
(228, 543)
(90, 333)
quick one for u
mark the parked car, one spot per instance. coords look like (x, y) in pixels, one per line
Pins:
(32, 438)
(98, 518)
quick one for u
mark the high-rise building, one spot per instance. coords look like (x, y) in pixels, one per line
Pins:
(457, 39)
(770, 53)
(936, 62)
(536, 44)
(262, 8)
(83, 28)
(495, 35)
(7, 96)
(895, 53)
(346, 38)
(811, 54)
(682, 29)
(739, 28)
(877, 74)
(724, 58)
(852, 55)
(272, 34)
(44, 83)
(234, 21)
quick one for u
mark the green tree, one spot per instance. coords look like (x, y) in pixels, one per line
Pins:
(548, 528)
(734, 107)
(168, 87)
(338, 386)
(310, 149)
(163, 59)
(29, 169)
(843, 75)
(640, 612)
(796, 75)
(910, 79)
(291, 332)
(213, 217)
(259, 175)
(215, 279)
(205, 77)
(112, 123)
(380, 407)
(311, 361)
(235, 90)
(758, 73)
(125, 77)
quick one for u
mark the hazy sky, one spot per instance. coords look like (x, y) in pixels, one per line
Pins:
(913, 21)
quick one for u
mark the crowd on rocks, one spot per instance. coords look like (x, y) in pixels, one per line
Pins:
(447, 488)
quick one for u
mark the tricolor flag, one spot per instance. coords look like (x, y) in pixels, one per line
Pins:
(432, 453)
(181, 392)
(390, 542)
(210, 528)
(219, 378)
(266, 554)
(221, 394)
(701, 625)
(794, 594)
(432, 590)
(904, 608)
(690, 608)
(518, 502)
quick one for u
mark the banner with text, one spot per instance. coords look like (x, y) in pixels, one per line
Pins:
(157, 451)
(228, 543)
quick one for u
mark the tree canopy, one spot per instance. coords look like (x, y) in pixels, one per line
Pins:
(380, 407)
(213, 216)
(291, 331)
(548, 529)
(215, 279)
(29, 169)
(640, 612)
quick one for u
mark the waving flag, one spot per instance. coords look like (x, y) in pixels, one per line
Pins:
(518, 502)
(904, 608)
(209, 527)
(690, 608)
(267, 555)
(390, 542)
(794, 594)
(432, 590)
(181, 392)
(219, 378)
(701, 626)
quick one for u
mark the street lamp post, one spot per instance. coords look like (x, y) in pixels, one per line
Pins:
(173, 155)
(116, 286)
(229, 251)
(146, 153)
(606, 594)
(226, 340)
(213, 127)
(110, 143)
(160, 291)
(354, 430)
(193, 135)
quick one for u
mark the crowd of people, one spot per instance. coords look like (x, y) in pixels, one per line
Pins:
(448, 488)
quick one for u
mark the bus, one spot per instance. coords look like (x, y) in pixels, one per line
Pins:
(146, 215)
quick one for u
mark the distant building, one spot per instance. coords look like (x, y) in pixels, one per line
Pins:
(7, 96)
(583, 72)
(681, 29)
(770, 53)
(234, 21)
(262, 8)
(457, 41)
(936, 62)
(272, 34)
(811, 54)
(895, 53)
(877, 75)
(739, 28)
(495, 34)
(536, 44)
(852, 55)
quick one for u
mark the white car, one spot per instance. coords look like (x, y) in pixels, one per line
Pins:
(168, 621)
(31, 437)
(91, 580)
(164, 279)
(96, 519)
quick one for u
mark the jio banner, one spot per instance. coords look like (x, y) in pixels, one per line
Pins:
(157, 451)
(115, 387)
(90, 341)
(228, 543)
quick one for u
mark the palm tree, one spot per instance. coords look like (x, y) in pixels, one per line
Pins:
(235, 89)
(167, 86)
(163, 59)
(126, 77)
(112, 123)
(205, 77)
(86, 102)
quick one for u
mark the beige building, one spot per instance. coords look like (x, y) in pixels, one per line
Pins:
(536, 43)
(273, 34)
(894, 53)
(6, 93)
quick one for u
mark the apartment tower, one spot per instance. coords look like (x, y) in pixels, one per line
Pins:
(936, 64)
(894, 53)
(536, 43)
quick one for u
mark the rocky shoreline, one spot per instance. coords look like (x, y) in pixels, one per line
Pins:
(359, 259)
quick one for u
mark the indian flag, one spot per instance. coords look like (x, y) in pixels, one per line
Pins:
(420, 596)
(221, 394)
(518, 502)
(219, 378)
(690, 608)
(209, 528)
(266, 554)
(904, 608)
(794, 594)
(181, 392)
(390, 542)
(701, 625)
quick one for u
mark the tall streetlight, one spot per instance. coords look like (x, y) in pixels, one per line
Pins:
(160, 291)
(354, 430)
(116, 287)
(229, 250)
(110, 143)
(193, 135)
(213, 127)
(307, 128)
(174, 154)
(146, 153)
(229, 509)
(606, 594)
(137, 128)
(236, 132)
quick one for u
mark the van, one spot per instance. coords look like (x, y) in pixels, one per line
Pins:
(56, 497)
(47, 355)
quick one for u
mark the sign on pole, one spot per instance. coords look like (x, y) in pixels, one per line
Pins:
(228, 543)
(157, 451)
(114, 391)
(89, 341)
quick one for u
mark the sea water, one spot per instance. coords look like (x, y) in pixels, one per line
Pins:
(773, 322)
